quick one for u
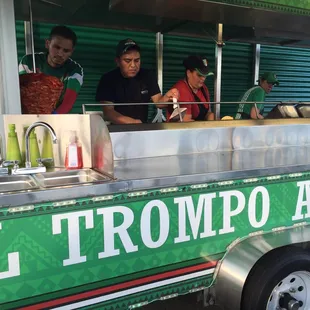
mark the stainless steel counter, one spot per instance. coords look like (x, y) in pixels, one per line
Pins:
(169, 171)
(199, 153)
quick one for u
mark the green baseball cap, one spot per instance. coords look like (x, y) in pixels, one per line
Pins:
(271, 78)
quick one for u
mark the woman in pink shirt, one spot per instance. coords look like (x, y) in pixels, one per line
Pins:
(193, 89)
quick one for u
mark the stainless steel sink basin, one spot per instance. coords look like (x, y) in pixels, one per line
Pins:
(69, 177)
(13, 183)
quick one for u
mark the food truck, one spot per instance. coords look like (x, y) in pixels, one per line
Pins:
(219, 208)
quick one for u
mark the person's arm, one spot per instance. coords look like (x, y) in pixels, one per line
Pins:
(255, 114)
(210, 116)
(24, 66)
(258, 96)
(188, 118)
(105, 94)
(75, 82)
(155, 92)
(116, 117)
(172, 93)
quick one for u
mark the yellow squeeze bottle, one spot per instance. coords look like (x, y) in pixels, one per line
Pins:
(47, 148)
(12, 149)
(34, 149)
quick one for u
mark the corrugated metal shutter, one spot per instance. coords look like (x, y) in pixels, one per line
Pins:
(95, 52)
(20, 39)
(292, 67)
(237, 73)
(176, 49)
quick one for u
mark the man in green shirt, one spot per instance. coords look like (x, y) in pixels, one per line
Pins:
(256, 94)
(57, 62)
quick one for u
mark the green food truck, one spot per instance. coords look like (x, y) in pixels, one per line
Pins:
(220, 209)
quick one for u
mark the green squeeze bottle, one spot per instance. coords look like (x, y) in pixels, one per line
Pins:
(47, 148)
(12, 148)
(34, 149)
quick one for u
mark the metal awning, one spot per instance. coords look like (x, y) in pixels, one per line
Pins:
(183, 17)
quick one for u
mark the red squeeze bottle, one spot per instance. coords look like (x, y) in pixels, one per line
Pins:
(74, 156)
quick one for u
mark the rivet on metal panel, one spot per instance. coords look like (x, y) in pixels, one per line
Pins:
(274, 177)
(169, 296)
(295, 175)
(103, 198)
(279, 228)
(64, 203)
(256, 233)
(225, 183)
(21, 209)
(250, 180)
(136, 194)
(169, 190)
(300, 224)
(199, 186)
(197, 289)
(233, 244)
(141, 304)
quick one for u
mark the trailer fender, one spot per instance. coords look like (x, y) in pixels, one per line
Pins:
(233, 270)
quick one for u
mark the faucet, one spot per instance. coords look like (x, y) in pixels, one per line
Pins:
(41, 168)
(27, 142)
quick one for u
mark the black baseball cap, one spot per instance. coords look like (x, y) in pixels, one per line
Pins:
(126, 45)
(197, 63)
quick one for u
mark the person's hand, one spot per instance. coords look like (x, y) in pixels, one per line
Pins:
(173, 93)
(210, 116)
(136, 121)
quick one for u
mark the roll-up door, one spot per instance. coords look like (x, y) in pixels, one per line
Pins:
(292, 66)
(237, 74)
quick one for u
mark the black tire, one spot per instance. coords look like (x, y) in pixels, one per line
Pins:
(268, 272)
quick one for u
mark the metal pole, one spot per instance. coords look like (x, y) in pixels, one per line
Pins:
(2, 98)
(218, 75)
(159, 55)
(32, 40)
(256, 62)
(28, 45)
(160, 64)
(9, 88)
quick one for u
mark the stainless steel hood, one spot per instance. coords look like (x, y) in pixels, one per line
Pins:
(289, 28)
(183, 17)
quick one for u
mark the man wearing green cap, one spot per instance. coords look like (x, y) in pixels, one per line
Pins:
(256, 94)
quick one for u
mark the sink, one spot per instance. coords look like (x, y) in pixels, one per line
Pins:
(69, 177)
(13, 183)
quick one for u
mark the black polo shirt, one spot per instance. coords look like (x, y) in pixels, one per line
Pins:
(139, 89)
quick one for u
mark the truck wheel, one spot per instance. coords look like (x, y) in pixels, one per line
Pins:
(279, 280)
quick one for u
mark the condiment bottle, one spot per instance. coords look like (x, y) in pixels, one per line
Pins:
(47, 148)
(13, 150)
(34, 149)
(74, 157)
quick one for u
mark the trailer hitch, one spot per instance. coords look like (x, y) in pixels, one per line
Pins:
(288, 302)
